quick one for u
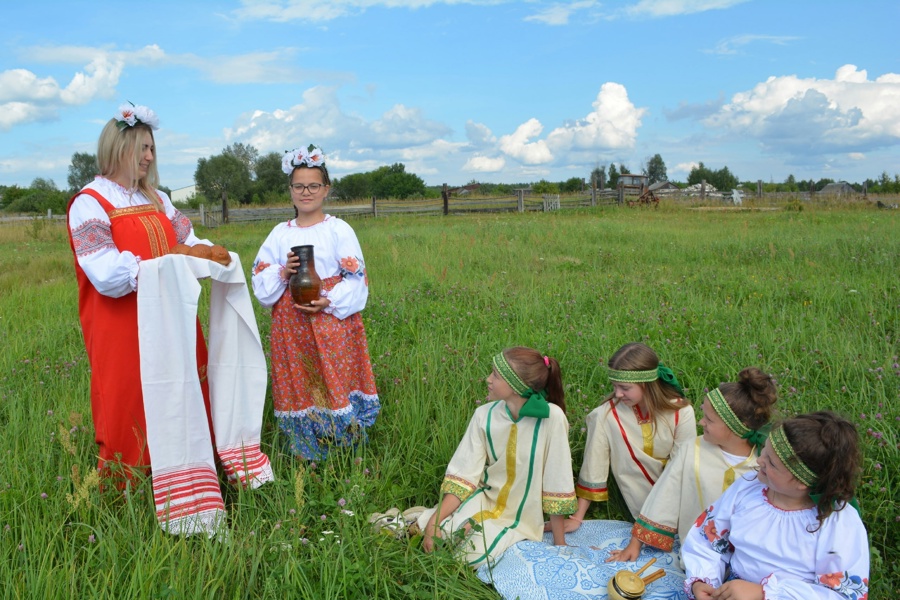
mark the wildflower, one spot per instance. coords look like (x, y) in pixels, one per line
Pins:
(357, 461)
(342, 502)
(292, 512)
(877, 466)
(862, 415)
(91, 539)
(44, 495)
(304, 541)
(366, 471)
(278, 525)
(50, 413)
(7, 527)
(878, 416)
(252, 533)
(21, 547)
(323, 517)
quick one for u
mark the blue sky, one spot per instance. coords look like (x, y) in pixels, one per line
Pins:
(490, 90)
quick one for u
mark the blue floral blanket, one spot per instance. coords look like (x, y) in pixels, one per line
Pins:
(540, 571)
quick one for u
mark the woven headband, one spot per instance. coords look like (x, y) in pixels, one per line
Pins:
(535, 402)
(782, 447)
(661, 372)
(724, 410)
(509, 376)
(756, 437)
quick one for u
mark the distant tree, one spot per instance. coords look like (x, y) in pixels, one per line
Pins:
(245, 153)
(623, 170)
(41, 196)
(598, 176)
(395, 182)
(223, 173)
(545, 187)
(355, 186)
(722, 179)
(270, 179)
(822, 183)
(656, 169)
(82, 170)
(613, 175)
(571, 185)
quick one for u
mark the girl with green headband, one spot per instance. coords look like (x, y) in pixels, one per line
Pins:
(634, 432)
(511, 468)
(734, 419)
(794, 531)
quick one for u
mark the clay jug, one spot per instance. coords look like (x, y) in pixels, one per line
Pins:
(305, 284)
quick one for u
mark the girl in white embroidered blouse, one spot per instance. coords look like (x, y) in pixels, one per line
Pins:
(794, 531)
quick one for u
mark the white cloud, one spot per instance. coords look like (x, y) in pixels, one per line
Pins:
(484, 164)
(670, 8)
(402, 133)
(315, 11)
(479, 135)
(731, 45)
(559, 13)
(275, 66)
(685, 167)
(856, 156)
(613, 124)
(27, 97)
(793, 115)
(404, 126)
(21, 85)
(517, 145)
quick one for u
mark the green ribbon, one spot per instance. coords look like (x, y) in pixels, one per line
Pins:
(667, 375)
(536, 405)
(757, 437)
(853, 502)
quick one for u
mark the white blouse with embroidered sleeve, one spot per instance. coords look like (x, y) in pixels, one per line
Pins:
(337, 253)
(114, 273)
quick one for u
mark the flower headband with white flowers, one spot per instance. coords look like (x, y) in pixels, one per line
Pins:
(309, 156)
(130, 115)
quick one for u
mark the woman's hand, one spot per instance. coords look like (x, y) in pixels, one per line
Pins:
(702, 591)
(293, 261)
(629, 553)
(314, 306)
(429, 533)
(737, 589)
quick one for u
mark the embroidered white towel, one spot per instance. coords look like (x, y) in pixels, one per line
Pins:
(185, 484)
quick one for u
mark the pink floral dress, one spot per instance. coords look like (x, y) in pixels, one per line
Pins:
(322, 381)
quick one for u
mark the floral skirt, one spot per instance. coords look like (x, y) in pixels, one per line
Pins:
(322, 381)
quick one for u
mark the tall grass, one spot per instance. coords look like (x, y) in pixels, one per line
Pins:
(811, 297)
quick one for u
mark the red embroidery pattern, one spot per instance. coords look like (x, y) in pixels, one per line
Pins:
(850, 586)
(92, 236)
(182, 226)
(349, 264)
(260, 266)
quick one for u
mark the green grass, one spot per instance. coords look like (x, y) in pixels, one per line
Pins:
(812, 297)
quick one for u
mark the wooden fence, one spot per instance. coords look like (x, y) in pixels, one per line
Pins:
(212, 217)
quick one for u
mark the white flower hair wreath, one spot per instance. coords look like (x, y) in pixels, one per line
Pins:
(130, 115)
(309, 156)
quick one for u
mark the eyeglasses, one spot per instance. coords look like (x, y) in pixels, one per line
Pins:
(312, 187)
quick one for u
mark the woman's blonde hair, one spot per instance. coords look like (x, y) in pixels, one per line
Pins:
(119, 152)
(659, 396)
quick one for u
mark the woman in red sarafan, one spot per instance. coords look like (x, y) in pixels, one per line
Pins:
(114, 222)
